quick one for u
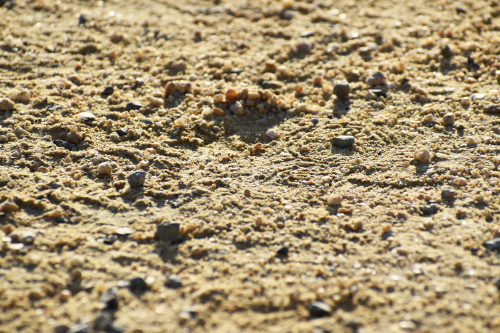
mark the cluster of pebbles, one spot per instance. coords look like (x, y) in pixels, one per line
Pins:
(291, 166)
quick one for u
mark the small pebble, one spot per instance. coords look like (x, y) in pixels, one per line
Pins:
(156, 102)
(283, 251)
(122, 132)
(448, 194)
(104, 168)
(133, 106)
(470, 140)
(422, 155)
(136, 178)
(377, 79)
(320, 309)
(448, 119)
(342, 90)
(303, 46)
(273, 134)
(108, 91)
(173, 281)
(492, 244)
(6, 104)
(28, 237)
(314, 121)
(110, 300)
(81, 328)
(334, 199)
(86, 116)
(447, 52)
(343, 141)
(169, 232)
(20, 95)
(8, 206)
(138, 285)
(81, 19)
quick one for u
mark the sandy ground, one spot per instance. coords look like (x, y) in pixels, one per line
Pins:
(249, 166)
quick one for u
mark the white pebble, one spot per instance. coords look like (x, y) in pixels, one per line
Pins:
(273, 134)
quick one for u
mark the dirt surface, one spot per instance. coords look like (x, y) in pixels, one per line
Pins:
(249, 166)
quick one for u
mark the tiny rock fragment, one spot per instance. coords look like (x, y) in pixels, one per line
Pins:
(448, 194)
(138, 284)
(448, 119)
(133, 106)
(343, 141)
(86, 116)
(492, 244)
(20, 95)
(422, 155)
(169, 232)
(376, 79)
(283, 251)
(173, 281)
(108, 91)
(53, 214)
(136, 178)
(342, 90)
(320, 309)
(104, 168)
(303, 46)
(446, 52)
(8, 206)
(156, 102)
(20, 131)
(273, 134)
(6, 104)
(334, 199)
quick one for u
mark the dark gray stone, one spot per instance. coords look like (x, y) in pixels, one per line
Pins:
(133, 106)
(61, 329)
(169, 232)
(108, 91)
(320, 309)
(448, 194)
(492, 244)
(110, 300)
(63, 144)
(429, 209)
(343, 141)
(122, 132)
(283, 251)
(447, 52)
(138, 285)
(342, 90)
(315, 121)
(136, 178)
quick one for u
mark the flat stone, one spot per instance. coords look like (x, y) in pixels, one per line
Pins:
(133, 106)
(343, 141)
(54, 107)
(86, 116)
(136, 178)
(429, 209)
(169, 232)
(492, 109)
(122, 132)
(492, 244)
(82, 328)
(320, 309)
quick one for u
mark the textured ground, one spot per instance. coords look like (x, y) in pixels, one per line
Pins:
(229, 108)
